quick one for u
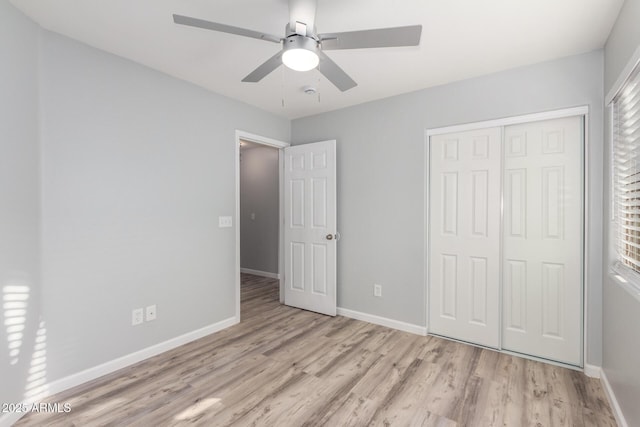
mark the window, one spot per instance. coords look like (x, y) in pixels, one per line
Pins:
(626, 175)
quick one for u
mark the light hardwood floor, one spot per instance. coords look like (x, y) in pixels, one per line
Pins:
(286, 367)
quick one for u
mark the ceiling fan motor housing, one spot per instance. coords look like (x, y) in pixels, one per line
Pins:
(300, 42)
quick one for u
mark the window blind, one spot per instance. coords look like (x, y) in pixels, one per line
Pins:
(626, 168)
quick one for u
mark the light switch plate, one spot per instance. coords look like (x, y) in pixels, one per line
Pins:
(225, 221)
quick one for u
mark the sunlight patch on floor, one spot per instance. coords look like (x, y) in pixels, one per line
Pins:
(197, 409)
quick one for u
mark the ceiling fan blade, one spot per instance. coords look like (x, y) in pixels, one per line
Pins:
(334, 74)
(303, 11)
(208, 25)
(263, 70)
(382, 37)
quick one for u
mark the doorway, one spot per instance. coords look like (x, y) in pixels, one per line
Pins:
(307, 223)
(259, 208)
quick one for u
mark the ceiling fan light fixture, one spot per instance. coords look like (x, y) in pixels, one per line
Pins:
(300, 53)
(300, 59)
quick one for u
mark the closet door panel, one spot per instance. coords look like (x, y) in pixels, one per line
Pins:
(464, 230)
(542, 249)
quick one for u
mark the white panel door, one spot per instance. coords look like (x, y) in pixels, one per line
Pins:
(543, 217)
(464, 230)
(310, 227)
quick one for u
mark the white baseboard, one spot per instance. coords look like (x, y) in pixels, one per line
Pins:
(260, 273)
(617, 411)
(592, 371)
(130, 359)
(383, 321)
(116, 364)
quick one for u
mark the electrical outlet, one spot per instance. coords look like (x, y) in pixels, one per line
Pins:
(377, 290)
(225, 221)
(151, 313)
(137, 316)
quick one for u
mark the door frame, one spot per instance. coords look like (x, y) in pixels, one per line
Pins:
(586, 236)
(280, 145)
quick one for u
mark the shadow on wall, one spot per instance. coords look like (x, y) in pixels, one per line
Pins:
(26, 341)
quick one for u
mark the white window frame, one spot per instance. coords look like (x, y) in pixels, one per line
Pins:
(625, 275)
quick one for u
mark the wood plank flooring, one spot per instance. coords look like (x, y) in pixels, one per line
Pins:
(286, 367)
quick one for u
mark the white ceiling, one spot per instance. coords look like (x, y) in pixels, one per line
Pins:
(460, 39)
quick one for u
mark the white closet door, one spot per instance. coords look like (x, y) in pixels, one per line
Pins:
(464, 230)
(543, 217)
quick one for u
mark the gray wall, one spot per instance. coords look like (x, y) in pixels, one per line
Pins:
(621, 316)
(381, 152)
(259, 196)
(621, 347)
(137, 167)
(19, 196)
(623, 41)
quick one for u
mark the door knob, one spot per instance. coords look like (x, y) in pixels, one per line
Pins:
(329, 236)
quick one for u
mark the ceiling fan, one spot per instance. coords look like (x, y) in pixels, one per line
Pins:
(303, 48)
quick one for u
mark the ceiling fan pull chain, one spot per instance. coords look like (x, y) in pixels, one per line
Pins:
(282, 86)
